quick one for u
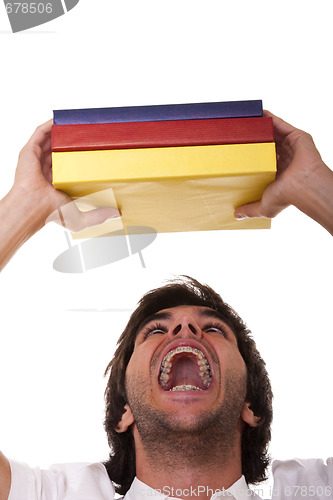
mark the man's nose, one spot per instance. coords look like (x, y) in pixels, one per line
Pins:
(186, 328)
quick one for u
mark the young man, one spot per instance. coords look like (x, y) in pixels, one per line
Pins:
(188, 400)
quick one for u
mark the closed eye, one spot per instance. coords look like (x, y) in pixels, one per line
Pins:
(215, 328)
(153, 330)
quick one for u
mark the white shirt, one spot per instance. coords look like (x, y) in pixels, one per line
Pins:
(293, 480)
(139, 490)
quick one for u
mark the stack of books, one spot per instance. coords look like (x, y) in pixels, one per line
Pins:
(182, 167)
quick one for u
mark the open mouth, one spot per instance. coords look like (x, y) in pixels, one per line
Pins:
(185, 368)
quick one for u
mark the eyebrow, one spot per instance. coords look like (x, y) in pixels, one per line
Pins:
(159, 316)
(212, 313)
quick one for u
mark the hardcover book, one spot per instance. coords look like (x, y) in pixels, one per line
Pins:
(86, 137)
(192, 111)
(191, 188)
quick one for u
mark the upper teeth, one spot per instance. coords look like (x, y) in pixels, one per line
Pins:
(201, 360)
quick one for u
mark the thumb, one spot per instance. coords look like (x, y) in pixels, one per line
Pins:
(94, 218)
(268, 207)
(70, 217)
(249, 210)
(273, 201)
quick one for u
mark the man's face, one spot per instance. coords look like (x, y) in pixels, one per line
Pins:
(185, 366)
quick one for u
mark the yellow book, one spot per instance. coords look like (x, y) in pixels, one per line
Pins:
(190, 188)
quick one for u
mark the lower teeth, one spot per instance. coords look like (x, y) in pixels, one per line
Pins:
(185, 388)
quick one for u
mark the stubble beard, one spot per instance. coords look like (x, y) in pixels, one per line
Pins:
(205, 440)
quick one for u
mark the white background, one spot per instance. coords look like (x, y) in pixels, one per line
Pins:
(105, 53)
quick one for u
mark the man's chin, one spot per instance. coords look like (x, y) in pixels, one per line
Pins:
(180, 423)
(179, 419)
(188, 436)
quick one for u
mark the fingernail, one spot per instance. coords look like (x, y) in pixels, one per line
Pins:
(240, 216)
(115, 216)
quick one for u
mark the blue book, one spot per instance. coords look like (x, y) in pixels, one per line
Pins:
(195, 111)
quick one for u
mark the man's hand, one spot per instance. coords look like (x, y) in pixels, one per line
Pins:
(34, 169)
(33, 179)
(33, 200)
(302, 180)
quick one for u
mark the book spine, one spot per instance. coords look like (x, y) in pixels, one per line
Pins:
(231, 109)
(102, 136)
(129, 165)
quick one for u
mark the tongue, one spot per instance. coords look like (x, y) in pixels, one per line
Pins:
(185, 371)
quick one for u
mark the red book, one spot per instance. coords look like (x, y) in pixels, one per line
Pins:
(132, 135)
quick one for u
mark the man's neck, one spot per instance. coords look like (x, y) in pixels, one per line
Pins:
(189, 483)
(199, 476)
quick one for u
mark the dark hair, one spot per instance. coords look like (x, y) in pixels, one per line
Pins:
(187, 291)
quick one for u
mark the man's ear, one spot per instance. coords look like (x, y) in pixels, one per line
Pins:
(126, 420)
(249, 417)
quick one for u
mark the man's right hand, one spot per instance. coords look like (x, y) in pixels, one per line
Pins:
(33, 200)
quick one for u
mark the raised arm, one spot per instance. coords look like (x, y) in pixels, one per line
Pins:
(5, 477)
(302, 180)
(33, 201)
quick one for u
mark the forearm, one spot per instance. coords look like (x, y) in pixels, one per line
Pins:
(316, 196)
(20, 219)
